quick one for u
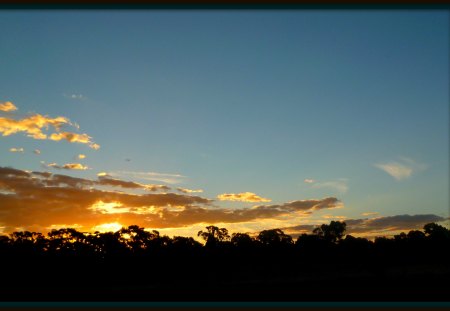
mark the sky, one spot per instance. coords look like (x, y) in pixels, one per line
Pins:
(250, 120)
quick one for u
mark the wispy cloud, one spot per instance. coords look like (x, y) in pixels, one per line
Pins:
(81, 156)
(185, 190)
(151, 176)
(7, 106)
(37, 151)
(242, 197)
(20, 150)
(402, 169)
(340, 185)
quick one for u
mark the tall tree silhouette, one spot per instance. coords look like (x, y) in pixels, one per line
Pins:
(332, 232)
(214, 235)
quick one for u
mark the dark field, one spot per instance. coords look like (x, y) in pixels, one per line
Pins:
(271, 267)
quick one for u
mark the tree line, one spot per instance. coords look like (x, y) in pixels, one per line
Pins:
(134, 240)
(137, 264)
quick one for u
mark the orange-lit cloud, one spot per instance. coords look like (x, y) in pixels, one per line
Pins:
(68, 166)
(7, 106)
(242, 197)
(33, 126)
(74, 138)
(21, 150)
(30, 198)
(81, 156)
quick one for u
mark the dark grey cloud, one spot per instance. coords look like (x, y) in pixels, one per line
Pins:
(371, 226)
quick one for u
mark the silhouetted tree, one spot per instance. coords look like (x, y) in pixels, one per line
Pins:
(242, 240)
(214, 235)
(332, 232)
(435, 231)
(274, 237)
(185, 243)
(136, 238)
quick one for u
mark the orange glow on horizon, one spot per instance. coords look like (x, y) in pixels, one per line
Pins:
(108, 227)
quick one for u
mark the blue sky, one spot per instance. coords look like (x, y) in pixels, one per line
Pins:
(242, 101)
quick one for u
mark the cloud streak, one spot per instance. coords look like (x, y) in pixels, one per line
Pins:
(150, 176)
(185, 190)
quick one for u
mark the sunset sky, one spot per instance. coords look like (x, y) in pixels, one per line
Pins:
(249, 120)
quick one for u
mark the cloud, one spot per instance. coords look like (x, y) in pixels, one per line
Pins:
(337, 185)
(75, 96)
(34, 125)
(81, 156)
(68, 166)
(370, 214)
(44, 199)
(242, 197)
(334, 217)
(391, 223)
(7, 106)
(313, 205)
(37, 151)
(184, 190)
(401, 170)
(151, 176)
(21, 150)
(106, 180)
(309, 181)
(74, 138)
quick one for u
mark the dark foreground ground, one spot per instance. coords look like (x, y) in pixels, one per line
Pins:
(251, 282)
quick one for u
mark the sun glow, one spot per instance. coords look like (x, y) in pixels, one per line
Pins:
(108, 208)
(108, 227)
